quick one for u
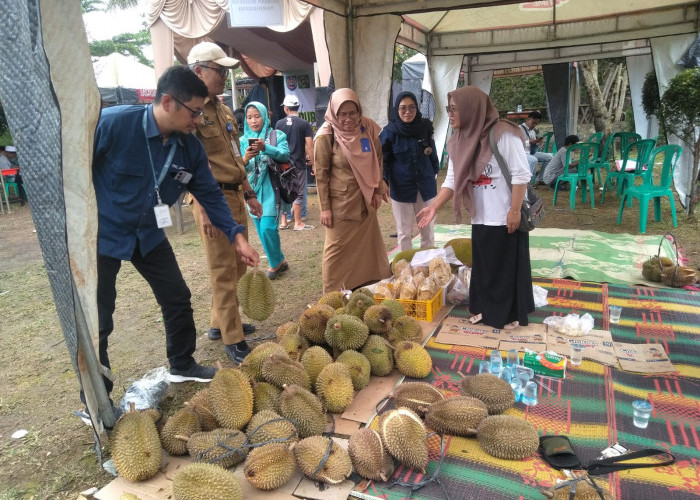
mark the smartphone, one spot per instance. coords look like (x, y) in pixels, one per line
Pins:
(251, 142)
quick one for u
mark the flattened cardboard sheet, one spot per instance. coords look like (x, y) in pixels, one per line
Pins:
(643, 358)
(364, 405)
(598, 346)
(459, 331)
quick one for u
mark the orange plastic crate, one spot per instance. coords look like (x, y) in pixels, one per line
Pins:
(423, 310)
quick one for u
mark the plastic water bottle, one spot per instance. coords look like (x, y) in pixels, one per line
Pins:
(520, 108)
(496, 362)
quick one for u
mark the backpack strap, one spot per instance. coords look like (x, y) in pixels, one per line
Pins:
(500, 160)
(611, 464)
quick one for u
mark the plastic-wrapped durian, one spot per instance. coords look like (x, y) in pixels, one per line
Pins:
(440, 269)
(383, 290)
(399, 266)
(408, 290)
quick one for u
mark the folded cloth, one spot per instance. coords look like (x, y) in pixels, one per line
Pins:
(558, 453)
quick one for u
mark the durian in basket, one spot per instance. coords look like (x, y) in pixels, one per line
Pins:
(652, 267)
(679, 276)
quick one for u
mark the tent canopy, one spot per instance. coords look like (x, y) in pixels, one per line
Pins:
(117, 70)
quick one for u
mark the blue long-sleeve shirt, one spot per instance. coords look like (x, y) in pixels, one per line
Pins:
(407, 169)
(125, 183)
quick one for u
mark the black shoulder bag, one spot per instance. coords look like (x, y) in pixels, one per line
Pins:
(281, 175)
(532, 211)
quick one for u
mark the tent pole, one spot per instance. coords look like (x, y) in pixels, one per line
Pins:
(351, 59)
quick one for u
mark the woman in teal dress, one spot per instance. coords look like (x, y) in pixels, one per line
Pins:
(259, 153)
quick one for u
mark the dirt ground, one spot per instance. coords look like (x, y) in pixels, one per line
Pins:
(39, 390)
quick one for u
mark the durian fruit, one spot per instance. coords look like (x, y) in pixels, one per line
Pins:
(334, 299)
(184, 422)
(378, 319)
(458, 416)
(507, 437)
(370, 458)
(405, 328)
(285, 328)
(396, 308)
(304, 409)
(364, 290)
(345, 332)
(334, 387)
(379, 354)
(222, 447)
(202, 481)
(136, 446)
(359, 367)
(318, 462)
(199, 403)
(312, 322)
(265, 397)
(417, 396)
(295, 344)
(231, 398)
(406, 255)
(252, 364)
(358, 303)
(584, 491)
(404, 435)
(269, 466)
(653, 266)
(256, 295)
(280, 370)
(413, 360)
(154, 413)
(495, 392)
(462, 248)
(267, 426)
(313, 360)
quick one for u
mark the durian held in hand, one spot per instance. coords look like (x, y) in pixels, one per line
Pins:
(256, 295)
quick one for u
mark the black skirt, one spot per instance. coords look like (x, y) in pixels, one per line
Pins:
(501, 281)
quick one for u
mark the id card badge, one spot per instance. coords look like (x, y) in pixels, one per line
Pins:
(364, 142)
(236, 151)
(162, 213)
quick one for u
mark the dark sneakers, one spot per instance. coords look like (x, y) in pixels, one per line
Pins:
(237, 352)
(215, 333)
(195, 373)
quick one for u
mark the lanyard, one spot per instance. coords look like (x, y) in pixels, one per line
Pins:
(167, 163)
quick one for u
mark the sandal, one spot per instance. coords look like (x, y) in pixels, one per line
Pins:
(474, 319)
(284, 226)
(558, 453)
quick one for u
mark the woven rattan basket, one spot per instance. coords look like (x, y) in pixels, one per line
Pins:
(676, 276)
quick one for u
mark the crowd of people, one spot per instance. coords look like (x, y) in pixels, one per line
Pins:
(188, 141)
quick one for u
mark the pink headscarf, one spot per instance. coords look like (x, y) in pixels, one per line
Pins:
(469, 147)
(365, 165)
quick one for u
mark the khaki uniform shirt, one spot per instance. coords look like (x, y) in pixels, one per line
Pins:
(219, 134)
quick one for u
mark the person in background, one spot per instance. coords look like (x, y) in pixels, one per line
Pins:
(301, 146)
(532, 144)
(410, 168)
(556, 167)
(8, 160)
(258, 158)
(218, 132)
(500, 293)
(143, 160)
(348, 163)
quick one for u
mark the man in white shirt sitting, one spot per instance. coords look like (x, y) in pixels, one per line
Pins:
(533, 143)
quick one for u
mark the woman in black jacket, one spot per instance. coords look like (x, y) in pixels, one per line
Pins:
(410, 168)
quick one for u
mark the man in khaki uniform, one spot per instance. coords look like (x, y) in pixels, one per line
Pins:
(218, 131)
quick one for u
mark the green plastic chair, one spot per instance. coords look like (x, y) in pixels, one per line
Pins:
(638, 152)
(549, 140)
(649, 191)
(596, 137)
(607, 155)
(14, 187)
(584, 150)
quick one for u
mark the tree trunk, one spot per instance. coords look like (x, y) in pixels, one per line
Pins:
(694, 185)
(589, 71)
(621, 95)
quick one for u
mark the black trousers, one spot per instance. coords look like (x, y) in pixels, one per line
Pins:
(161, 271)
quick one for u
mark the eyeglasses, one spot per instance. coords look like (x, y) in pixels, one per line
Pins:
(351, 114)
(450, 111)
(222, 71)
(195, 114)
(407, 109)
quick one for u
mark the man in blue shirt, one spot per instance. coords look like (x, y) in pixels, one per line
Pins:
(144, 158)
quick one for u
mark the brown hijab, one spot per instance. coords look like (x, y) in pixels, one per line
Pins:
(365, 165)
(469, 147)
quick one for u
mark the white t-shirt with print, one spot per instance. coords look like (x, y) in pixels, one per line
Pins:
(491, 197)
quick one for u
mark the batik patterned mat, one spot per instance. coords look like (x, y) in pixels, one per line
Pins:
(592, 406)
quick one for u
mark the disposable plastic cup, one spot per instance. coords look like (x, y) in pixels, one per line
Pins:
(513, 357)
(576, 354)
(614, 313)
(529, 396)
(517, 389)
(496, 362)
(484, 367)
(642, 412)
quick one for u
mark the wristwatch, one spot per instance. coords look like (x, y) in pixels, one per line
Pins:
(248, 195)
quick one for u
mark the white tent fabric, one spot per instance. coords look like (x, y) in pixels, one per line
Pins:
(637, 69)
(444, 73)
(667, 53)
(117, 70)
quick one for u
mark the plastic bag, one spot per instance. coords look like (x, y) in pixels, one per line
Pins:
(424, 257)
(572, 325)
(540, 295)
(457, 292)
(148, 391)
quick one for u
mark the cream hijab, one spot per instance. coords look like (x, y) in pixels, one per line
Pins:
(365, 165)
(469, 147)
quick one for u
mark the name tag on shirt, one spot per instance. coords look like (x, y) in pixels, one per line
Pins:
(236, 151)
(162, 213)
(364, 142)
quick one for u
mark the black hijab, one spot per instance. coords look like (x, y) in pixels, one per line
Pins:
(420, 128)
